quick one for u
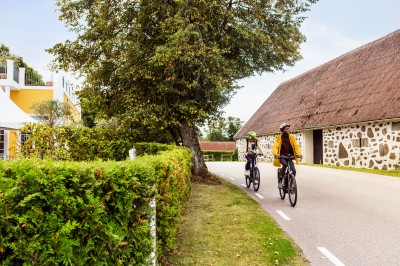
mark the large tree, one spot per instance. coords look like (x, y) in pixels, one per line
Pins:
(175, 62)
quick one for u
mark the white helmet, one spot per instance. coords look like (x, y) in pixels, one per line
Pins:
(283, 125)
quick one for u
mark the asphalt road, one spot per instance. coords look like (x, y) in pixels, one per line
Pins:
(341, 217)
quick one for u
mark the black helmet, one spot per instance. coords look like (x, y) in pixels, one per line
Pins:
(283, 125)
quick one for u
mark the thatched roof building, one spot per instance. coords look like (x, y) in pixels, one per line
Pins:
(359, 86)
(344, 112)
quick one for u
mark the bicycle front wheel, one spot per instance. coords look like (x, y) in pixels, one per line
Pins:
(248, 180)
(256, 179)
(281, 189)
(292, 190)
(282, 192)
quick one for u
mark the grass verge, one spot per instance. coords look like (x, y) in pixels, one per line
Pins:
(224, 226)
(395, 173)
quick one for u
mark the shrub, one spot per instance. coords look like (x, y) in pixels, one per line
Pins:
(90, 213)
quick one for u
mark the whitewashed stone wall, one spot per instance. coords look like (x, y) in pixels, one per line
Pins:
(374, 145)
(370, 145)
(267, 142)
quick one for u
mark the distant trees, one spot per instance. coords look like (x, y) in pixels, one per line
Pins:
(32, 77)
(223, 129)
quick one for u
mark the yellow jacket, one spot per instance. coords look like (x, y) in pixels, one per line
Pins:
(276, 149)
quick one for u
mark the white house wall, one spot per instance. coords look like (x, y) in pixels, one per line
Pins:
(267, 142)
(374, 145)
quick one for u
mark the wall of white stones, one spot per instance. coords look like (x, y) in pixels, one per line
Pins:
(370, 145)
(374, 145)
(267, 142)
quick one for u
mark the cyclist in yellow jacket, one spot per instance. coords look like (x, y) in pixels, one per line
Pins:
(285, 144)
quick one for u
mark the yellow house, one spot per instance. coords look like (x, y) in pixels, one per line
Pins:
(17, 98)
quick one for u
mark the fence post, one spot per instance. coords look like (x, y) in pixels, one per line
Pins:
(153, 225)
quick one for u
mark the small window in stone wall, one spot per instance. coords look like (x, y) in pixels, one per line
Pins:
(395, 126)
(360, 142)
(364, 142)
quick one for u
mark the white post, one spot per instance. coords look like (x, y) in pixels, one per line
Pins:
(132, 154)
(153, 231)
(153, 225)
(58, 87)
(22, 76)
(10, 70)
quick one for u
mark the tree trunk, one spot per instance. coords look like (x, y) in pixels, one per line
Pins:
(190, 140)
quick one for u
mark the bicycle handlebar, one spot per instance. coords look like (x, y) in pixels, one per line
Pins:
(258, 154)
(291, 157)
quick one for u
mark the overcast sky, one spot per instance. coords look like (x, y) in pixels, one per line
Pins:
(333, 27)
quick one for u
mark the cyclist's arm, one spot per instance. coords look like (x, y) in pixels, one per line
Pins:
(246, 147)
(261, 149)
(275, 148)
(296, 148)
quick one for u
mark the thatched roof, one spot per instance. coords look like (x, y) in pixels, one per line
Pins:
(360, 86)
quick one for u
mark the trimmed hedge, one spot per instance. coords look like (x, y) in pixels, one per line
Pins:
(90, 213)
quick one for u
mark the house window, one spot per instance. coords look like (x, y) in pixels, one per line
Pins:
(360, 142)
(2, 144)
(23, 137)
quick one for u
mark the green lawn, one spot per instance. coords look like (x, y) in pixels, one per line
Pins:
(223, 226)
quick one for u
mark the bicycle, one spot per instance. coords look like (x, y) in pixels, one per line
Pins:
(289, 181)
(254, 174)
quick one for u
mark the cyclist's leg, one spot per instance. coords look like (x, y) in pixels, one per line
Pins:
(253, 160)
(248, 158)
(292, 167)
(252, 164)
(284, 166)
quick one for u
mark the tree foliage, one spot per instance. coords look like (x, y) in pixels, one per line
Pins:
(172, 63)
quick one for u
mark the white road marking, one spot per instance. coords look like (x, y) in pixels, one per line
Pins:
(233, 179)
(258, 195)
(330, 256)
(284, 216)
(243, 185)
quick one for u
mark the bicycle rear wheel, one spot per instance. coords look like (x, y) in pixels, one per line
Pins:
(292, 190)
(256, 179)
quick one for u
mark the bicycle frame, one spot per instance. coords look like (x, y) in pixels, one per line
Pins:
(289, 180)
(254, 176)
(253, 164)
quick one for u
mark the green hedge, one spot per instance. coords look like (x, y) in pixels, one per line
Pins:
(173, 192)
(97, 213)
